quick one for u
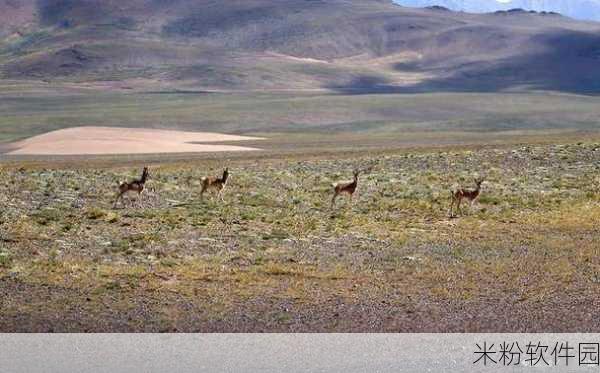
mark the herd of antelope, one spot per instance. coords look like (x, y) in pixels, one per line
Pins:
(349, 188)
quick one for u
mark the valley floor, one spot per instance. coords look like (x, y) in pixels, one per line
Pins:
(275, 257)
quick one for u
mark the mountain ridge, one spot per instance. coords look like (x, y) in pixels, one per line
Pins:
(577, 9)
(353, 46)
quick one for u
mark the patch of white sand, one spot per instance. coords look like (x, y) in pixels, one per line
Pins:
(108, 140)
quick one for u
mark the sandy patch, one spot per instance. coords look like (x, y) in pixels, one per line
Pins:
(293, 58)
(107, 140)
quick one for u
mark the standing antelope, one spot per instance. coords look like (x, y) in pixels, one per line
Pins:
(348, 188)
(469, 194)
(133, 186)
(217, 183)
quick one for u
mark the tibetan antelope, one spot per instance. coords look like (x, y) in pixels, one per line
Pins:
(217, 183)
(133, 186)
(469, 194)
(348, 188)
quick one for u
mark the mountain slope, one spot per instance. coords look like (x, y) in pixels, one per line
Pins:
(341, 45)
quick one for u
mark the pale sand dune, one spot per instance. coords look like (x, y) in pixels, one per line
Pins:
(107, 140)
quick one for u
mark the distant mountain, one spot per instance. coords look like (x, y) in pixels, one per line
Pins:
(578, 9)
(359, 46)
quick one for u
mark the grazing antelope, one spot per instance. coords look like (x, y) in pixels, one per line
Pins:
(348, 188)
(133, 186)
(217, 183)
(469, 194)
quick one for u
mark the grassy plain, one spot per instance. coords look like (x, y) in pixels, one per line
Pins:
(275, 257)
(291, 117)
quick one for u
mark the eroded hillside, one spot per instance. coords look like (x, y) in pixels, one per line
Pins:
(340, 45)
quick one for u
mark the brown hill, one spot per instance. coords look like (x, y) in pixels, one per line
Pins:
(343, 45)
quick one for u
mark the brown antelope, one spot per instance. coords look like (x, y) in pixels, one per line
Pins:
(217, 183)
(348, 188)
(469, 194)
(133, 186)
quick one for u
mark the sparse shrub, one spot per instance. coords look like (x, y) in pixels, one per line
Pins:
(488, 199)
(168, 262)
(276, 234)
(95, 213)
(275, 269)
(111, 217)
(46, 216)
(119, 246)
(53, 255)
(5, 259)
